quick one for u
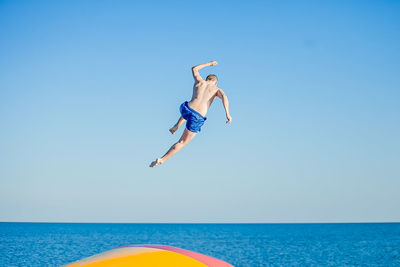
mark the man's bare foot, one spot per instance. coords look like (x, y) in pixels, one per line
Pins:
(173, 129)
(155, 163)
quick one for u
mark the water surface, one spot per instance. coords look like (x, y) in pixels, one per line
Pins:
(56, 244)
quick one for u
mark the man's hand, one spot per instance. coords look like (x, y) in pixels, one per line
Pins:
(229, 118)
(195, 70)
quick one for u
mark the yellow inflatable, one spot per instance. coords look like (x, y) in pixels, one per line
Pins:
(150, 256)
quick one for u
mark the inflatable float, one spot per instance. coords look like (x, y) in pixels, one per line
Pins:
(150, 255)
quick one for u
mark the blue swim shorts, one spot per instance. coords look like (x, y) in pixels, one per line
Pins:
(194, 120)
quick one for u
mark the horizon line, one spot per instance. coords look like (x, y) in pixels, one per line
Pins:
(333, 222)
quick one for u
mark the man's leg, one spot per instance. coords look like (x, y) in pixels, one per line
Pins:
(177, 125)
(183, 141)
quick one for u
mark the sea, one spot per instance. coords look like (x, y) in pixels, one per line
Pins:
(258, 244)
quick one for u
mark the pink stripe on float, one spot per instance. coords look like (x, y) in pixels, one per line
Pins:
(210, 261)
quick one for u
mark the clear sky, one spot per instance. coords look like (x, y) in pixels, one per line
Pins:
(89, 89)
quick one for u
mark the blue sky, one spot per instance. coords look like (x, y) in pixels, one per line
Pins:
(89, 89)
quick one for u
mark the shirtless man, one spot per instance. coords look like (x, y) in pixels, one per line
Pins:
(194, 112)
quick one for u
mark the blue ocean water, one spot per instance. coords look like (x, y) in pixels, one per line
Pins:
(345, 244)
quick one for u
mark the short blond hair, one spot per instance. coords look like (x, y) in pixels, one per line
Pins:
(212, 77)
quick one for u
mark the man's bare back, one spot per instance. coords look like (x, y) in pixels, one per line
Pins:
(194, 112)
(204, 94)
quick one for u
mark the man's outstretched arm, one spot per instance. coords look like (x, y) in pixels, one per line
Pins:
(195, 70)
(221, 94)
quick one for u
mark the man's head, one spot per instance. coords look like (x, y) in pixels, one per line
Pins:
(212, 78)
